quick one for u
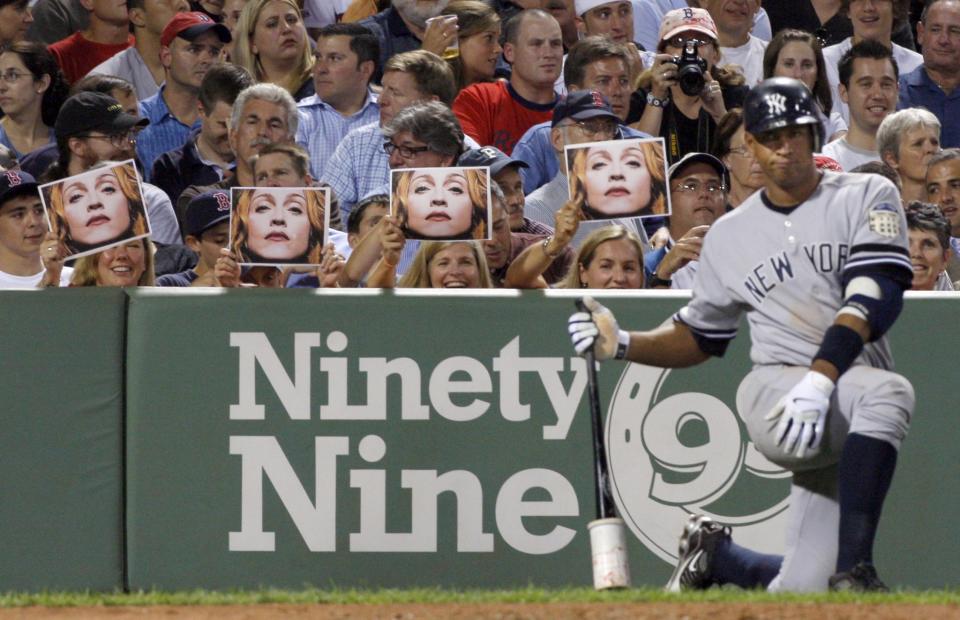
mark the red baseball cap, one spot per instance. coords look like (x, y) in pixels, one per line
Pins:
(191, 25)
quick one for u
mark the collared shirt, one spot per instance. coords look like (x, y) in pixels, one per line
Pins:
(176, 170)
(358, 167)
(164, 133)
(322, 128)
(917, 90)
(129, 65)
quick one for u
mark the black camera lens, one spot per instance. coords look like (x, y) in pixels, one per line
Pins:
(691, 80)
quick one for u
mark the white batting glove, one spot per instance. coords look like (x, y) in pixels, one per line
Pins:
(598, 329)
(803, 413)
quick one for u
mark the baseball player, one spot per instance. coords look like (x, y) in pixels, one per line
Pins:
(818, 261)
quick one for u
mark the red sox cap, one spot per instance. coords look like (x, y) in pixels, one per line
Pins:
(191, 25)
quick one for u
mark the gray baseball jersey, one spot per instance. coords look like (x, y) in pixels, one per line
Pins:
(787, 269)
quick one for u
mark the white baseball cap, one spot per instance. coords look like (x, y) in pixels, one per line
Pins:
(582, 6)
(684, 20)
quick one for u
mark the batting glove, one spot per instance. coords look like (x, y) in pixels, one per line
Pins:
(598, 329)
(802, 414)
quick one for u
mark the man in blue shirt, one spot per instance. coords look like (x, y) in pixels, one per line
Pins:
(190, 44)
(346, 58)
(933, 85)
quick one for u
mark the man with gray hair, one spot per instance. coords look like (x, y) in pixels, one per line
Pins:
(262, 114)
(424, 135)
(906, 140)
(943, 190)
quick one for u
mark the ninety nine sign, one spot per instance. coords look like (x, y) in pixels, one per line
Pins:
(395, 440)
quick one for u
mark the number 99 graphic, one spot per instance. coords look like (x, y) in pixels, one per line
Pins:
(659, 475)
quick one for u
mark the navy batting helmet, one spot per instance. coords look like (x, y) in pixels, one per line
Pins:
(782, 102)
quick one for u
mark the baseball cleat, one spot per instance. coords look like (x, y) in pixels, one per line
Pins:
(860, 578)
(697, 545)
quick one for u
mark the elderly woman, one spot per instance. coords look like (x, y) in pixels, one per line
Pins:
(746, 176)
(677, 108)
(623, 178)
(929, 233)
(906, 140)
(272, 44)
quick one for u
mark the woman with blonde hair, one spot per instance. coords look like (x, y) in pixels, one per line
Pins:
(478, 41)
(96, 208)
(130, 264)
(448, 265)
(623, 178)
(610, 257)
(272, 44)
(441, 203)
(278, 226)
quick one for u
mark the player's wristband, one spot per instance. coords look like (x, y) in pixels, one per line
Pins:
(840, 346)
(623, 343)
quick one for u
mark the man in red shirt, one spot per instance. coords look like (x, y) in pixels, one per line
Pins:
(498, 113)
(107, 34)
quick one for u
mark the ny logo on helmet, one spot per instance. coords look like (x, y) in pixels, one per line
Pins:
(776, 103)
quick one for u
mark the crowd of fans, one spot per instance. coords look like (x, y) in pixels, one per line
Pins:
(209, 95)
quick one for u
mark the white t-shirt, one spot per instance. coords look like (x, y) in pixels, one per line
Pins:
(748, 56)
(9, 281)
(849, 156)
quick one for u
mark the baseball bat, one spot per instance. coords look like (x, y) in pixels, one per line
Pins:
(607, 532)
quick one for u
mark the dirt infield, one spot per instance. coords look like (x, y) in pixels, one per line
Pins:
(500, 611)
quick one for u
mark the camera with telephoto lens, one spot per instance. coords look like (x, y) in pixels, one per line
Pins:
(690, 69)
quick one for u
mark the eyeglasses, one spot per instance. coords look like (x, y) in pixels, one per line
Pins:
(118, 140)
(714, 190)
(596, 127)
(742, 151)
(11, 77)
(405, 151)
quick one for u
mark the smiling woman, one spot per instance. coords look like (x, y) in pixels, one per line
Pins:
(448, 265)
(130, 264)
(97, 208)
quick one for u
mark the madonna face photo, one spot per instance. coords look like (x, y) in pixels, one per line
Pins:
(442, 204)
(619, 178)
(97, 209)
(279, 225)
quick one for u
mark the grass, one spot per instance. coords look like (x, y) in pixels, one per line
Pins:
(437, 595)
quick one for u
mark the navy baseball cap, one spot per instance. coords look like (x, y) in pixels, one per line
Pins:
(93, 111)
(581, 105)
(205, 211)
(698, 158)
(15, 183)
(490, 156)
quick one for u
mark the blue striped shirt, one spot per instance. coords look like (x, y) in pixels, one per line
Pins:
(322, 128)
(164, 133)
(358, 167)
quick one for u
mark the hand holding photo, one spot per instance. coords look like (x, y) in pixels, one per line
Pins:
(442, 204)
(279, 225)
(619, 178)
(96, 209)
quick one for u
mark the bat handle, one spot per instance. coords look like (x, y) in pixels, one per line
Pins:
(605, 505)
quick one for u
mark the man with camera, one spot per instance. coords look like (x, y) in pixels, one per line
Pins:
(686, 93)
